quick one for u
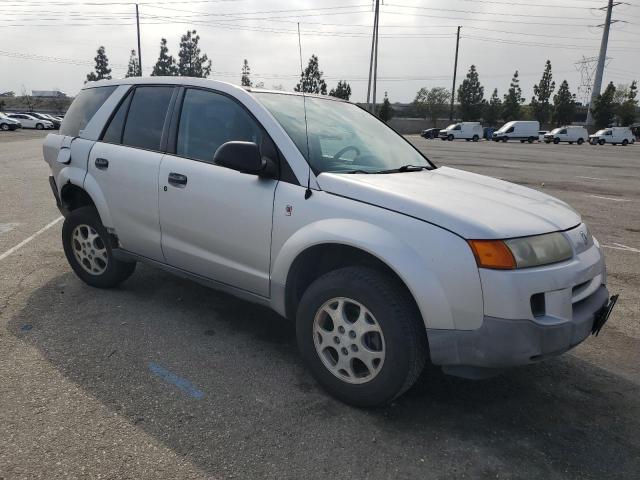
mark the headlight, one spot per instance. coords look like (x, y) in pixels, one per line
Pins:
(521, 252)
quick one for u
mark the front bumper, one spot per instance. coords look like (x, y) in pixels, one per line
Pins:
(501, 343)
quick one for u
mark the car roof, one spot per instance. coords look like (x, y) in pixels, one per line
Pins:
(197, 82)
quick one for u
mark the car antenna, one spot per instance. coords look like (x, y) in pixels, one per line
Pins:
(307, 192)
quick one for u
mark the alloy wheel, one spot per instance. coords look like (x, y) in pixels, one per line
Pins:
(349, 340)
(89, 249)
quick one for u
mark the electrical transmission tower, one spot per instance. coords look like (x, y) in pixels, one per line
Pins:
(587, 68)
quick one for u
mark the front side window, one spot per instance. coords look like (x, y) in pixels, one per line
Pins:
(510, 130)
(83, 108)
(340, 136)
(563, 132)
(208, 120)
(147, 113)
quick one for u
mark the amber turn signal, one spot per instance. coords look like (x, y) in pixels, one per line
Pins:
(492, 254)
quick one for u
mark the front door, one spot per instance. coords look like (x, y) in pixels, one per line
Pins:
(215, 222)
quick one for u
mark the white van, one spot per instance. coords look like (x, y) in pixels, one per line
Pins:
(462, 130)
(568, 133)
(613, 135)
(517, 130)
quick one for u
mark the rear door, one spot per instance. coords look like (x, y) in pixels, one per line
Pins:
(216, 222)
(125, 165)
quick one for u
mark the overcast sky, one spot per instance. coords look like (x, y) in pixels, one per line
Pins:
(51, 44)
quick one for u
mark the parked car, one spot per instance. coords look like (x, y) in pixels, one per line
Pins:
(525, 131)
(43, 116)
(430, 133)
(8, 123)
(463, 130)
(541, 134)
(315, 208)
(613, 135)
(568, 133)
(29, 121)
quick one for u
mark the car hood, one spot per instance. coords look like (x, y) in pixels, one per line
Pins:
(471, 205)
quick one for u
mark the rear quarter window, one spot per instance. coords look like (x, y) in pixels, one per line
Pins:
(83, 108)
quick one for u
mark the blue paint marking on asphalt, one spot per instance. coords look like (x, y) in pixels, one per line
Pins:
(26, 328)
(182, 383)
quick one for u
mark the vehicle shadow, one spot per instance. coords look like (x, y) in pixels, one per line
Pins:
(260, 414)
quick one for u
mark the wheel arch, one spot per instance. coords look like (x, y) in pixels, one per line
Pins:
(318, 259)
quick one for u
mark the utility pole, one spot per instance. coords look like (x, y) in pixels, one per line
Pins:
(597, 83)
(374, 57)
(455, 72)
(375, 65)
(139, 50)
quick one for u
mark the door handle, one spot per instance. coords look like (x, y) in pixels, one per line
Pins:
(102, 163)
(177, 180)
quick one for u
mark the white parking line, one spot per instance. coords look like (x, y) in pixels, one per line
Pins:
(609, 198)
(28, 239)
(619, 246)
(592, 178)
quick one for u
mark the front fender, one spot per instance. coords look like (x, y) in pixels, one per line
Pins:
(437, 266)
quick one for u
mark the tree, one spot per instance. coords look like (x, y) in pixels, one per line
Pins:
(493, 109)
(133, 70)
(512, 100)
(385, 112)
(190, 62)
(311, 80)
(165, 65)
(603, 108)
(245, 80)
(102, 70)
(542, 93)
(471, 96)
(432, 103)
(342, 90)
(564, 105)
(627, 108)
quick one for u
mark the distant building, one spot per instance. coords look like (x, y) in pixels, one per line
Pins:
(48, 94)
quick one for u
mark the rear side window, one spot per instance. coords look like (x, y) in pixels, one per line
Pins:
(83, 108)
(147, 113)
(208, 120)
(113, 134)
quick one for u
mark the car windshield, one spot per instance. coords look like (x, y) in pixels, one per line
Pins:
(505, 127)
(555, 130)
(451, 127)
(601, 132)
(342, 137)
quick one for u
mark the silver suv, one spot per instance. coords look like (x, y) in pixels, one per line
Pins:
(315, 208)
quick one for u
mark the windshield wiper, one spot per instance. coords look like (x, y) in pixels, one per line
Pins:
(405, 168)
(356, 171)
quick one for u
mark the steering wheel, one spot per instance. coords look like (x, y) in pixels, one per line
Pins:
(345, 150)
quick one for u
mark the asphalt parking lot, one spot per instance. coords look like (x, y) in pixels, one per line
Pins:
(163, 379)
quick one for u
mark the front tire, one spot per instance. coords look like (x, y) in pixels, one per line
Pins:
(450, 137)
(360, 334)
(601, 142)
(88, 248)
(39, 126)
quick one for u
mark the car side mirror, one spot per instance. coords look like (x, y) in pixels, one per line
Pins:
(241, 156)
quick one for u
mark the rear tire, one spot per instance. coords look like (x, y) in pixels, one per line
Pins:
(88, 248)
(625, 142)
(4, 127)
(580, 141)
(530, 139)
(475, 138)
(334, 317)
